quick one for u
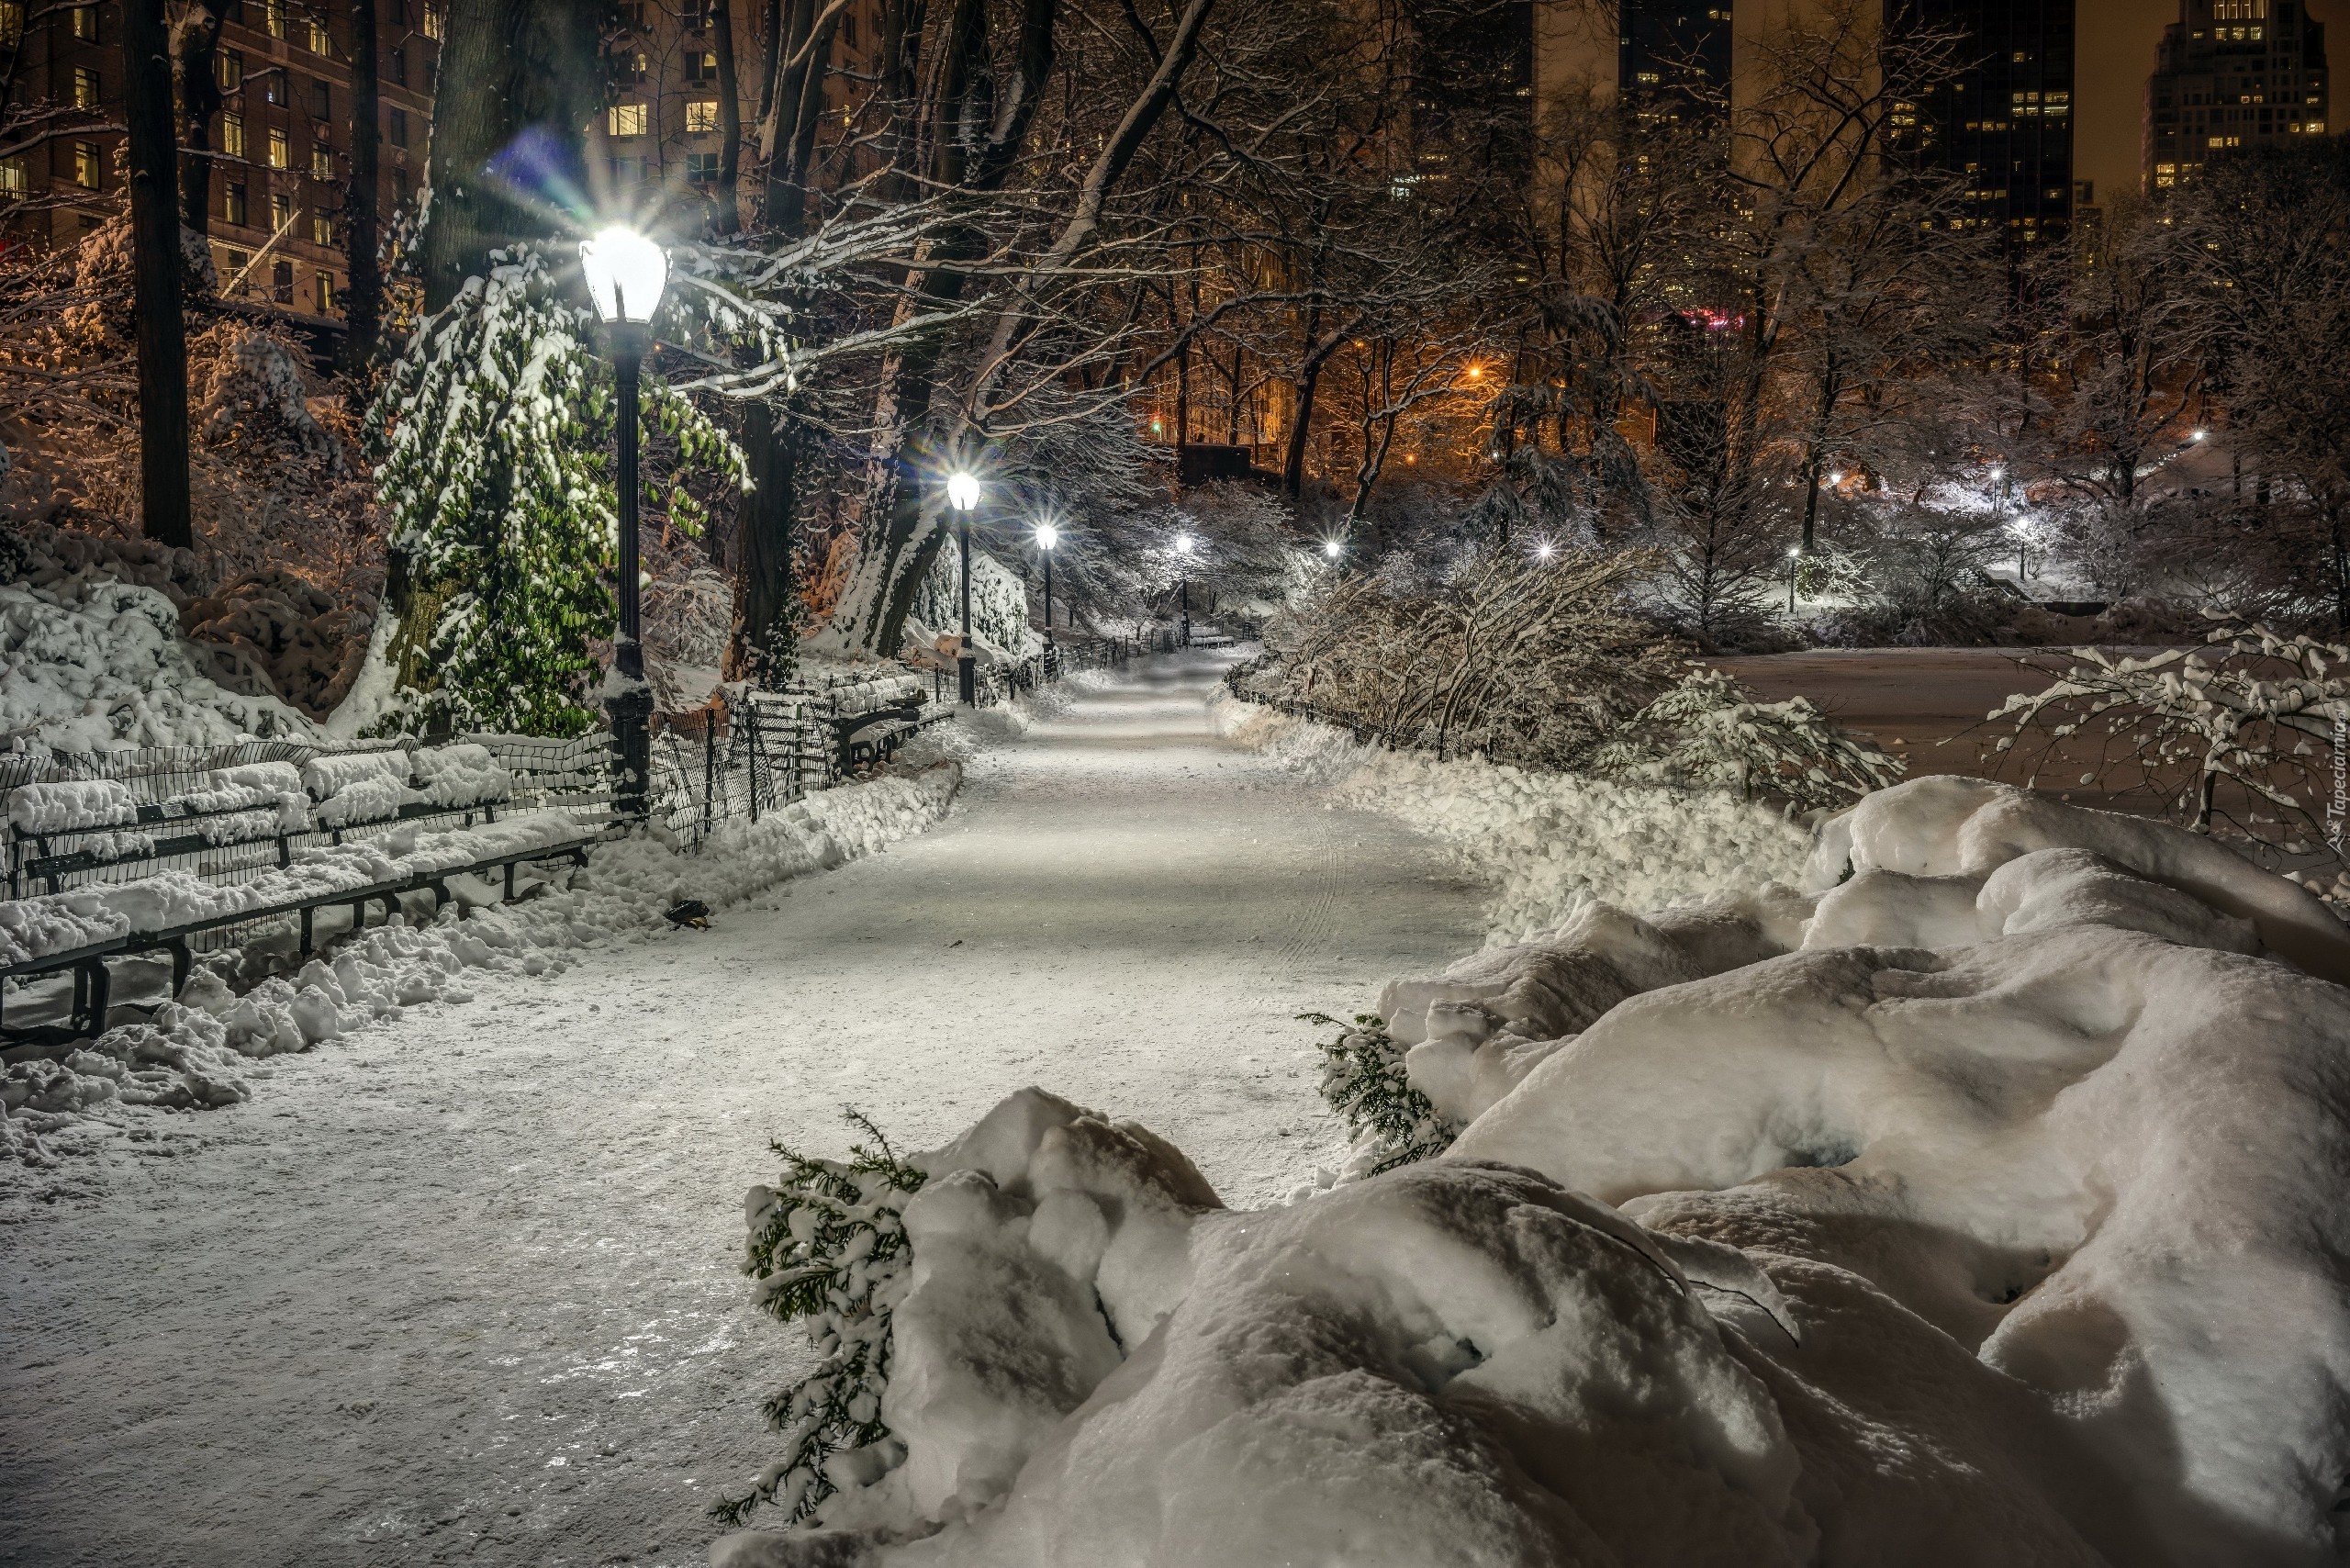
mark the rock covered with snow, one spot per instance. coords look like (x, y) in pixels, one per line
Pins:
(1978, 1204)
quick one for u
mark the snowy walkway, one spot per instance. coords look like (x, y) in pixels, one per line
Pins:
(464, 1289)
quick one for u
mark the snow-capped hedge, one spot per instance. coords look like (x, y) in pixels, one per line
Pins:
(1978, 1202)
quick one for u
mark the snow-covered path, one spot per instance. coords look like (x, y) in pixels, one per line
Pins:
(464, 1289)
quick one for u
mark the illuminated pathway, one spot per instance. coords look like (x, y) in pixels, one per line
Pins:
(463, 1289)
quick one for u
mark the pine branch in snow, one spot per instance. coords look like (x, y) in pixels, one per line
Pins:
(1363, 1081)
(828, 1245)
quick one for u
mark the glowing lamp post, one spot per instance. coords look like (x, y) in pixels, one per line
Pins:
(626, 273)
(1047, 537)
(963, 494)
(1183, 552)
(1333, 549)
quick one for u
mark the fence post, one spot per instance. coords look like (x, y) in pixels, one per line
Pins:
(709, 767)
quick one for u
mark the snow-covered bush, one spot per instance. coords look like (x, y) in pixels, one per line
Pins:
(1709, 731)
(497, 429)
(828, 1245)
(1529, 663)
(1363, 1082)
(2236, 737)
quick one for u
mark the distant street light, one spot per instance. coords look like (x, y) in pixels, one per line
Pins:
(1545, 550)
(626, 273)
(1794, 560)
(1332, 548)
(962, 493)
(1183, 548)
(1047, 537)
(2200, 435)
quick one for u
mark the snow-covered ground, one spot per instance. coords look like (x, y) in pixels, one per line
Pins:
(463, 1288)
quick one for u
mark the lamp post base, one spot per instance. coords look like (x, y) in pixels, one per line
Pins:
(966, 680)
(631, 716)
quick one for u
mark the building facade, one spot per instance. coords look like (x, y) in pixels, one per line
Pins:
(2004, 122)
(281, 140)
(2232, 74)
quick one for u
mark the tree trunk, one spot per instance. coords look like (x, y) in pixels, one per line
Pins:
(730, 120)
(1302, 420)
(364, 309)
(508, 67)
(196, 53)
(157, 266)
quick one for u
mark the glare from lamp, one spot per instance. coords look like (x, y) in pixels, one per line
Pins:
(963, 489)
(1331, 548)
(1048, 536)
(1837, 477)
(2200, 435)
(1545, 550)
(625, 271)
(1183, 544)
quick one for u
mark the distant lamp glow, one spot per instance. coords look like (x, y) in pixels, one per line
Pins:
(1545, 550)
(2200, 435)
(1183, 544)
(1048, 536)
(963, 489)
(1997, 473)
(1476, 373)
(626, 273)
(1795, 551)
(1837, 477)
(1331, 548)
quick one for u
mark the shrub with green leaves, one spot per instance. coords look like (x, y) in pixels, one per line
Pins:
(1363, 1081)
(828, 1245)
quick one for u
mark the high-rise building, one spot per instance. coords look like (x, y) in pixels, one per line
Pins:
(2005, 121)
(1673, 56)
(2231, 74)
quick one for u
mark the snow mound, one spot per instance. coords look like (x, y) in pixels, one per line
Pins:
(1552, 842)
(1980, 1204)
(96, 663)
(70, 804)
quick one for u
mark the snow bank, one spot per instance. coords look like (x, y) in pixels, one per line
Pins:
(1552, 842)
(1978, 1204)
(191, 1054)
(459, 775)
(96, 663)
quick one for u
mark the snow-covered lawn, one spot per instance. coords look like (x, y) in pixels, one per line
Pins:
(464, 1286)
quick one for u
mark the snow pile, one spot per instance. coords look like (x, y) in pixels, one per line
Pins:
(95, 663)
(1552, 842)
(358, 786)
(1978, 1204)
(70, 804)
(274, 786)
(191, 1053)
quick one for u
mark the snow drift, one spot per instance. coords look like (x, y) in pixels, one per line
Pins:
(1976, 1204)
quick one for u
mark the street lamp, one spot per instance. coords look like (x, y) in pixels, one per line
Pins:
(1183, 549)
(962, 493)
(626, 273)
(1544, 550)
(1047, 537)
(1333, 548)
(1795, 562)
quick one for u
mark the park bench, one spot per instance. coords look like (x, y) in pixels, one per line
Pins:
(272, 840)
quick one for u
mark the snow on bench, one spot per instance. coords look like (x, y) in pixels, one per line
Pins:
(35, 928)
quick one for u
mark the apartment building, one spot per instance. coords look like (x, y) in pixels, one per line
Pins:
(281, 141)
(2232, 74)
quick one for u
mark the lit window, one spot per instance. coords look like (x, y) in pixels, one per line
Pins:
(274, 88)
(12, 20)
(86, 164)
(12, 177)
(325, 293)
(85, 87)
(321, 44)
(232, 204)
(281, 150)
(321, 161)
(701, 65)
(228, 67)
(85, 23)
(435, 25)
(274, 17)
(232, 135)
(701, 114)
(626, 119)
(322, 229)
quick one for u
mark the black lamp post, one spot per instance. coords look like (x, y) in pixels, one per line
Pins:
(1183, 549)
(1047, 537)
(962, 493)
(626, 273)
